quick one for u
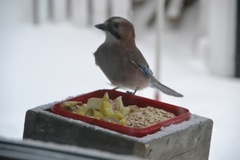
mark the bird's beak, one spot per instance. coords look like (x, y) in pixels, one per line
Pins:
(101, 26)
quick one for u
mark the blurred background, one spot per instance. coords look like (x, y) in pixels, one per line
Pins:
(47, 46)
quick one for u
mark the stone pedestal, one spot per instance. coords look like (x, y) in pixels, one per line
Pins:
(187, 140)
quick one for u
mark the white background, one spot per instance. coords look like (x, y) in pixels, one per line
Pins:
(49, 62)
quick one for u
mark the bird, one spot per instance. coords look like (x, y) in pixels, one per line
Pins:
(122, 62)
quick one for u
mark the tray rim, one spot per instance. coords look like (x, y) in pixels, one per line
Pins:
(136, 132)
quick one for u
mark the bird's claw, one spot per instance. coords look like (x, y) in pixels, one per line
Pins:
(129, 92)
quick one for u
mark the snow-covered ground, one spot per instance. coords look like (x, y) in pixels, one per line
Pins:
(46, 63)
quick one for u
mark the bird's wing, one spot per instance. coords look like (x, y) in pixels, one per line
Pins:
(154, 82)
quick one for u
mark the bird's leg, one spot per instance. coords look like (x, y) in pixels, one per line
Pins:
(135, 90)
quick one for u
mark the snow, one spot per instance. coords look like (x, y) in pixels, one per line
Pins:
(47, 63)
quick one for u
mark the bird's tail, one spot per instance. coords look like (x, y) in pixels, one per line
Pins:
(156, 84)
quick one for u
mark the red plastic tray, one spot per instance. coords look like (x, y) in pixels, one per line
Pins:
(182, 114)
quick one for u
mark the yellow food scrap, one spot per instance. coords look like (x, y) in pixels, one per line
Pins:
(97, 115)
(89, 112)
(105, 97)
(123, 122)
(102, 109)
(67, 104)
(82, 110)
(106, 108)
(94, 103)
(118, 101)
(125, 110)
(117, 115)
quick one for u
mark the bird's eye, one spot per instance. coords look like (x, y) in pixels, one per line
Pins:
(116, 25)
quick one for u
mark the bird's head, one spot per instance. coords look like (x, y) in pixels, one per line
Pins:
(118, 29)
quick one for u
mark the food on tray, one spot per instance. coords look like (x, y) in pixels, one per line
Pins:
(143, 117)
(114, 111)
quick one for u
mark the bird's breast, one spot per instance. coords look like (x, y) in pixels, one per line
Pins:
(116, 65)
